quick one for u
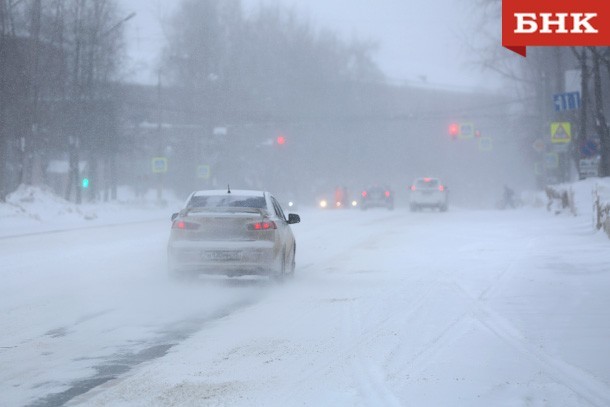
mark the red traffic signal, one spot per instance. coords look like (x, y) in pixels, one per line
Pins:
(280, 140)
(454, 129)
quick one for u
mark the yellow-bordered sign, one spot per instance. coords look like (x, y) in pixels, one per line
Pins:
(561, 132)
(159, 165)
(466, 131)
(203, 171)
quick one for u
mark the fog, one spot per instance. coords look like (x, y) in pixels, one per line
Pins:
(360, 93)
(384, 123)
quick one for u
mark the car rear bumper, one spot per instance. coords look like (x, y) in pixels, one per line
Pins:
(229, 258)
(376, 203)
(428, 199)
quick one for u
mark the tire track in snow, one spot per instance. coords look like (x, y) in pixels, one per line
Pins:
(369, 377)
(582, 383)
(114, 367)
(445, 336)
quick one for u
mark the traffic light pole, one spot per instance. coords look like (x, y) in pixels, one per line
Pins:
(160, 141)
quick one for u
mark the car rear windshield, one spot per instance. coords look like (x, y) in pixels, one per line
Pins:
(427, 183)
(227, 201)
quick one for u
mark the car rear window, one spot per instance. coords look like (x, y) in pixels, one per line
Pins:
(427, 183)
(227, 201)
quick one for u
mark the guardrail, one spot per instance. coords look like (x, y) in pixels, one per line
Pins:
(601, 208)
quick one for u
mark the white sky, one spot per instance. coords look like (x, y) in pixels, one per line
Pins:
(417, 39)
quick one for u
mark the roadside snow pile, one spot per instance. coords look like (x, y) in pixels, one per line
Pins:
(39, 203)
(32, 209)
(589, 197)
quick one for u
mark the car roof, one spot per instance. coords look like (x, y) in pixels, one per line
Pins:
(240, 192)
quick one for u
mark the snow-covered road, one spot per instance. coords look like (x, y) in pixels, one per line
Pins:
(387, 308)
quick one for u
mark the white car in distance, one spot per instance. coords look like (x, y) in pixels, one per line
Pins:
(428, 193)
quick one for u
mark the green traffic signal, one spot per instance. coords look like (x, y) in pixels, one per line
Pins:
(85, 183)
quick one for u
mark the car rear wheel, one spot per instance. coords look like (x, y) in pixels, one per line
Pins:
(279, 272)
(292, 264)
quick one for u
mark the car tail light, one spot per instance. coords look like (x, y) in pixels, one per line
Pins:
(364, 194)
(180, 224)
(387, 194)
(267, 225)
(441, 188)
(412, 187)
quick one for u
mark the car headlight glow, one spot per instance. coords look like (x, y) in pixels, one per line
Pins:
(323, 203)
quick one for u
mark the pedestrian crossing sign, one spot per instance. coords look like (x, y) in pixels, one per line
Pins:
(561, 132)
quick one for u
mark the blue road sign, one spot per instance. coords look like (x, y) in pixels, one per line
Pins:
(566, 101)
(589, 148)
(159, 165)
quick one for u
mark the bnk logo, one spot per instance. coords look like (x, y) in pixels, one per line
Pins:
(555, 23)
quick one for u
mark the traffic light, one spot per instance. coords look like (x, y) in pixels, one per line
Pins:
(85, 183)
(454, 130)
(280, 140)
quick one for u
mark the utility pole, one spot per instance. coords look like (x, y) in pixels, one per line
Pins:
(600, 119)
(160, 140)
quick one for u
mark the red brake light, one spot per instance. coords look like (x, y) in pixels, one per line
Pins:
(387, 194)
(180, 224)
(427, 179)
(268, 225)
(364, 194)
(441, 188)
(412, 187)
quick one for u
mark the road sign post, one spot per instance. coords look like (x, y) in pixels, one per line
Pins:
(159, 167)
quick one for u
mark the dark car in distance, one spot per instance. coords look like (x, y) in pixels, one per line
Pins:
(377, 197)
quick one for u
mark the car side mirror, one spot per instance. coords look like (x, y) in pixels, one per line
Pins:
(174, 216)
(293, 218)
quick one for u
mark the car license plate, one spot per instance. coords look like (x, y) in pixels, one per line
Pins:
(220, 256)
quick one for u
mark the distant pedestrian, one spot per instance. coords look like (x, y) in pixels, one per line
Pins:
(509, 197)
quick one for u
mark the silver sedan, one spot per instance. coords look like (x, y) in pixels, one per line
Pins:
(234, 233)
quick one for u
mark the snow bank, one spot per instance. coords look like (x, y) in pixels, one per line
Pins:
(589, 197)
(34, 209)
